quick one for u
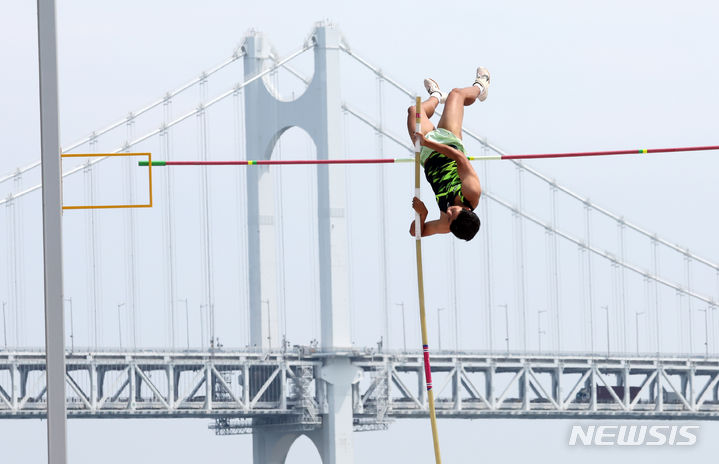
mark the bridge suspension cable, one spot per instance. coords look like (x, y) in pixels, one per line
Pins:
(162, 100)
(154, 132)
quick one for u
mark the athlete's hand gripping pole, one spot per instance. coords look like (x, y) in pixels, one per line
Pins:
(420, 286)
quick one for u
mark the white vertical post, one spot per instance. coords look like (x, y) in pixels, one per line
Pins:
(622, 286)
(52, 234)
(93, 385)
(555, 267)
(337, 429)
(260, 132)
(131, 386)
(382, 249)
(519, 247)
(130, 244)
(271, 117)
(332, 224)
(206, 212)
(657, 307)
(688, 270)
(488, 259)
(168, 224)
(588, 210)
(453, 293)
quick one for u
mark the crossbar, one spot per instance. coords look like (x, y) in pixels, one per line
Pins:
(639, 151)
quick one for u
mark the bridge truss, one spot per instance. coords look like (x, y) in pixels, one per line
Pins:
(243, 390)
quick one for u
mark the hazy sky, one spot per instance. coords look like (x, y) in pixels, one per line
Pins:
(565, 76)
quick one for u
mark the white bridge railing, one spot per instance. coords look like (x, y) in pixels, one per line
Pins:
(243, 389)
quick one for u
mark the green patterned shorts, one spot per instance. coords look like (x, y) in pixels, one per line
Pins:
(444, 137)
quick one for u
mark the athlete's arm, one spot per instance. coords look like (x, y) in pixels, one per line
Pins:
(438, 226)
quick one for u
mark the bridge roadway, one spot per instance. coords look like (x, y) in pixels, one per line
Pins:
(245, 389)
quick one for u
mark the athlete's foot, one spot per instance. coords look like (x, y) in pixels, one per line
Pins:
(434, 91)
(482, 81)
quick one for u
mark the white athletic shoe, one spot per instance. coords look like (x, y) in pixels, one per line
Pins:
(434, 91)
(482, 80)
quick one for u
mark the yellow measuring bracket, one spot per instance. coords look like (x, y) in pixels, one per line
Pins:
(99, 155)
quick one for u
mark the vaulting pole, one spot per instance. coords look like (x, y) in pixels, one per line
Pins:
(420, 287)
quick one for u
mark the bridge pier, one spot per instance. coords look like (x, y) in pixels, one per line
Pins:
(269, 447)
(333, 439)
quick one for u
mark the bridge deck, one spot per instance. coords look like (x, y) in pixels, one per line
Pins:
(268, 389)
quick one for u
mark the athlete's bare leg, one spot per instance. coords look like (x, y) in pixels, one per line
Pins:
(426, 112)
(454, 108)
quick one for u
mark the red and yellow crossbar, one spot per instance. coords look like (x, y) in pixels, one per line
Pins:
(640, 151)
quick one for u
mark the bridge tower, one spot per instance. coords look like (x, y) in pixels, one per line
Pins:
(318, 112)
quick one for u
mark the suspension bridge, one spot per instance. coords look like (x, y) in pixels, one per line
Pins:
(278, 300)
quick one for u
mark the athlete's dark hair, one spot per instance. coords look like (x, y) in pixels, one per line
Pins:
(465, 225)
